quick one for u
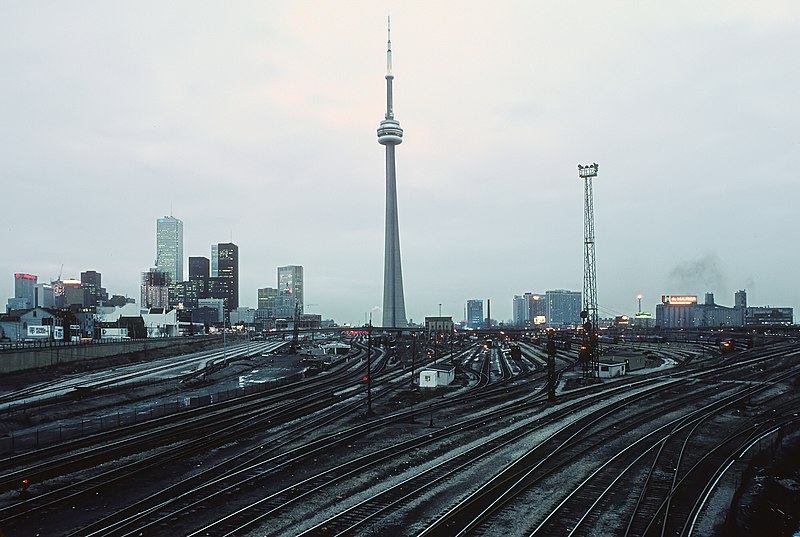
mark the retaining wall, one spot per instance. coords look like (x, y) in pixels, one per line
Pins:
(13, 360)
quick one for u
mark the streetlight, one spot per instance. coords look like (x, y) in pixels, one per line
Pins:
(639, 298)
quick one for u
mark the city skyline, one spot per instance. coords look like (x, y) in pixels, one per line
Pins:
(688, 109)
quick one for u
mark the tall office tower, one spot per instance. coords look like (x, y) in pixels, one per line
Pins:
(24, 288)
(44, 297)
(474, 313)
(290, 280)
(563, 308)
(521, 310)
(169, 247)
(390, 134)
(198, 268)
(537, 308)
(228, 274)
(93, 292)
(155, 288)
(214, 260)
(73, 293)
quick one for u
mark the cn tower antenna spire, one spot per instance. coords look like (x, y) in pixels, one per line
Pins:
(389, 46)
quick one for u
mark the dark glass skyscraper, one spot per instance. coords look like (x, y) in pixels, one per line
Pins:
(228, 274)
(198, 268)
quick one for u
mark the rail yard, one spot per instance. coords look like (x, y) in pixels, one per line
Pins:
(355, 447)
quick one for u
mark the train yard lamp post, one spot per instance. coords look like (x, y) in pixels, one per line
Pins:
(639, 298)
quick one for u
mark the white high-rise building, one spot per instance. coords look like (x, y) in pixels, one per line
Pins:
(169, 247)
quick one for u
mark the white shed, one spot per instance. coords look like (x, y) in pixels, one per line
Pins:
(436, 375)
(610, 369)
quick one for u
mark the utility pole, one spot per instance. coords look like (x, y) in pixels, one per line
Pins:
(369, 369)
(413, 355)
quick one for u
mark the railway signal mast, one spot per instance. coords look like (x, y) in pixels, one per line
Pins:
(590, 352)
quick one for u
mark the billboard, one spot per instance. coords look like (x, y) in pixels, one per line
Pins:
(38, 332)
(58, 332)
(114, 333)
(680, 300)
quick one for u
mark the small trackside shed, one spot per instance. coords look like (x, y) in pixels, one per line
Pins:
(633, 360)
(610, 369)
(436, 375)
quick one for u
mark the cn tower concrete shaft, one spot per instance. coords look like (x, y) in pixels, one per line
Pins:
(390, 134)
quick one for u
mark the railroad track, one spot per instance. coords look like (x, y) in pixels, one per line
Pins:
(227, 480)
(491, 503)
(160, 509)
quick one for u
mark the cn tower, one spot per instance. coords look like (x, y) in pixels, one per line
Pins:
(389, 135)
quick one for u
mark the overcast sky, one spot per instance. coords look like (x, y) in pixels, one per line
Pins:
(256, 121)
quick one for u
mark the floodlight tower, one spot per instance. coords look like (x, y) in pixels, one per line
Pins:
(389, 135)
(589, 313)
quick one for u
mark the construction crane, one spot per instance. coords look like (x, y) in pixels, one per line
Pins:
(59, 274)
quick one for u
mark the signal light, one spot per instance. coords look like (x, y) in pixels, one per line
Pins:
(365, 379)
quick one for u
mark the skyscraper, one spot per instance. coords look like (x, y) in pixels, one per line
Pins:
(228, 274)
(93, 292)
(290, 281)
(155, 288)
(214, 261)
(475, 313)
(389, 135)
(24, 285)
(563, 308)
(198, 268)
(169, 247)
(266, 301)
(521, 310)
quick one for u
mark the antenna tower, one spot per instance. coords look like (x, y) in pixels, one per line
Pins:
(590, 350)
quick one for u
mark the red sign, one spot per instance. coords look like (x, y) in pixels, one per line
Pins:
(679, 300)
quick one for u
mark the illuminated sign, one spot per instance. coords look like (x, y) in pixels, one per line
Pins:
(24, 276)
(682, 300)
(539, 319)
(644, 315)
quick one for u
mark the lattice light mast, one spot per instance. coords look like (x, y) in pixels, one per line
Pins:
(589, 313)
